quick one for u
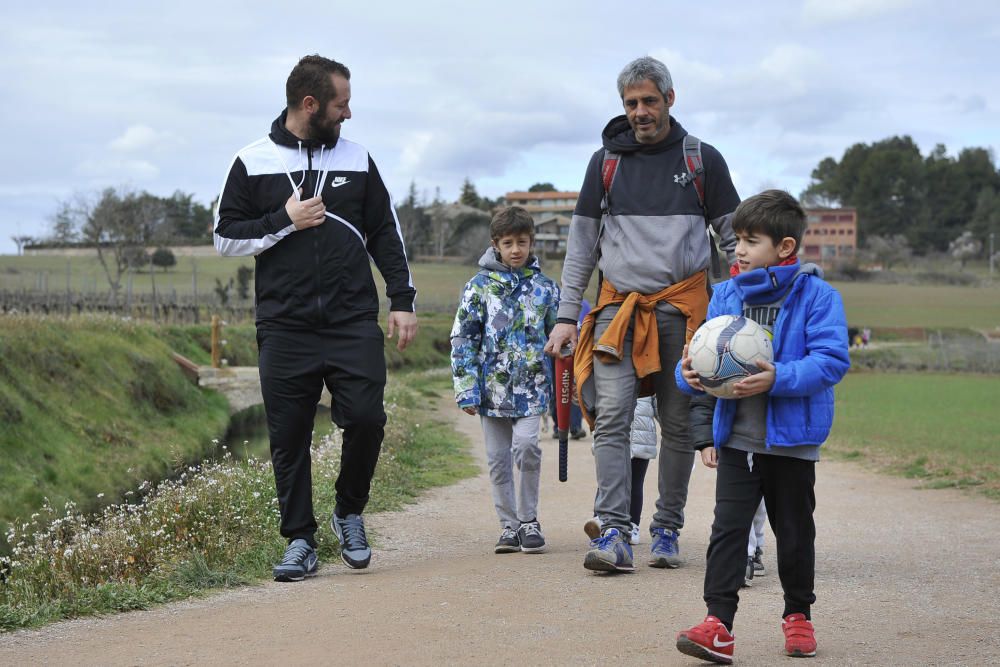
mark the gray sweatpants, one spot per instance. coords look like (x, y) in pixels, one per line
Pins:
(617, 389)
(513, 444)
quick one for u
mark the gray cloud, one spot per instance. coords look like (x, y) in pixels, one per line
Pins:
(506, 94)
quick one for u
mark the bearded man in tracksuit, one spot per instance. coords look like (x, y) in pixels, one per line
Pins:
(640, 220)
(311, 207)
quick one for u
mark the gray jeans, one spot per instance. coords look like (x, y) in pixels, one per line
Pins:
(513, 444)
(617, 389)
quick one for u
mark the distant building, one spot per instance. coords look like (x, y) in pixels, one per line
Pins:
(831, 235)
(552, 212)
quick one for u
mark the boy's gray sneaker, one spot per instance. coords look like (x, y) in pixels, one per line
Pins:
(748, 575)
(530, 535)
(508, 542)
(609, 553)
(350, 532)
(758, 563)
(664, 551)
(300, 561)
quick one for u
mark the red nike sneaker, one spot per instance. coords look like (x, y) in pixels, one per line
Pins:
(708, 640)
(800, 642)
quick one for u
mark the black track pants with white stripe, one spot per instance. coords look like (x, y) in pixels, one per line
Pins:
(294, 366)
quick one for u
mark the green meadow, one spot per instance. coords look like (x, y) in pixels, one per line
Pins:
(439, 285)
(940, 429)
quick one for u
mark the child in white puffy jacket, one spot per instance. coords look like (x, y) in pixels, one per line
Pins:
(644, 440)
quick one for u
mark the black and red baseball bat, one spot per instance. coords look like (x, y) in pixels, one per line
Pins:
(564, 392)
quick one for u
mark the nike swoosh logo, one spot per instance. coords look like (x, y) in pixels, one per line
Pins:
(337, 185)
(717, 644)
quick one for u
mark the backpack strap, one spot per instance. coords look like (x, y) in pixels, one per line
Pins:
(696, 176)
(609, 168)
(608, 171)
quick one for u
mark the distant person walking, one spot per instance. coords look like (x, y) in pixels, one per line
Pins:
(640, 221)
(311, 208)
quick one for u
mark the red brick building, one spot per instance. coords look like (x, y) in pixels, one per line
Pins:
(552, 212)
(831, 235)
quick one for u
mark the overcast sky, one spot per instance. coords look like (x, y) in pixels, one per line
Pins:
(105, 94)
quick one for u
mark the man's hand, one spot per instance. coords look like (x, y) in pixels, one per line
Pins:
(306, 213)
(690, 375)
(562, 334)
(406, 323)
(470, 410)
(759, 383)
(710, 457)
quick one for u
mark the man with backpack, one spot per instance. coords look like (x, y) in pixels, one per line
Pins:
(641, 219)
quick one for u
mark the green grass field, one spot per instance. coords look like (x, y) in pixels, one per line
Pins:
(876, 305)
(439, 285)
(84, 274)
(940, 428)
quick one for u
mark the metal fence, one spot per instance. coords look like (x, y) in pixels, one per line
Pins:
(163, 308)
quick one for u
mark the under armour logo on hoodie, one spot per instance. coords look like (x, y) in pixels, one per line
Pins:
(683, 179)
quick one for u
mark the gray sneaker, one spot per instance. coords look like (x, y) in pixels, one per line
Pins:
(508, 542)
(350, 532)
(664, 551)
(758, 563)
(609, 553)
(532, 540)
(300, 561)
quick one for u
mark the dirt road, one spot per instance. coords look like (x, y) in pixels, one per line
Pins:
(904, 577)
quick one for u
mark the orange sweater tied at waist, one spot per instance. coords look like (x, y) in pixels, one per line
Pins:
(689, 296)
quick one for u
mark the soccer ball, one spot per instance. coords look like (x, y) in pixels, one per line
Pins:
(725, 349)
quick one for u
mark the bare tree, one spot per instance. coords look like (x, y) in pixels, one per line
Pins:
(120, 225)
(21, 241)
(965, 247)
(888, 250)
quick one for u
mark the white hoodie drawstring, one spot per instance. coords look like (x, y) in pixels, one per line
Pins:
(295, 186)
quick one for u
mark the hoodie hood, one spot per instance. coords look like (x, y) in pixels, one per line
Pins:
(491, 264)
(770, 284)
(283, 137)
(619, 137)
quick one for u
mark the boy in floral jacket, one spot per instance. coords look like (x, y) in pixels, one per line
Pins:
(497, 361)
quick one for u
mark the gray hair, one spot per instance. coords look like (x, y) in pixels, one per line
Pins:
(645, 68)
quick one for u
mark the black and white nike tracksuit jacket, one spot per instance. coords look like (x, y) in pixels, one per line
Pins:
(319, 277)
(317, 308)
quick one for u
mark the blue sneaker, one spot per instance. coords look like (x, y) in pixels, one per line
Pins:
(665, 552)
(609, 553)
(350, 531)
(300, 561)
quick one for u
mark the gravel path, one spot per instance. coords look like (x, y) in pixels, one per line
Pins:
(904, 577)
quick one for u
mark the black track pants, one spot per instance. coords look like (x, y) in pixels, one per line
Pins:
(787, 486)
(294, 365)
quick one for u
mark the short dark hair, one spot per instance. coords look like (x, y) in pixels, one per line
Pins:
(311, 76)
(511, 220)
(774, 213)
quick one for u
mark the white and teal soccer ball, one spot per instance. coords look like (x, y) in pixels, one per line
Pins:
(725, 349)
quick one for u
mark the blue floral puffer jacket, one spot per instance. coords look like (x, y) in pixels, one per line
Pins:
(497, 342)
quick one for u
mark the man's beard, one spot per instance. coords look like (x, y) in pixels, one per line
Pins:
(321, 130)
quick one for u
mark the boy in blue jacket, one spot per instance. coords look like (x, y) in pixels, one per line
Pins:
(498, 366)
(767, 439)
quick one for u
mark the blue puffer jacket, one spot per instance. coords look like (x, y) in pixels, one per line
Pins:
(810, 352)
